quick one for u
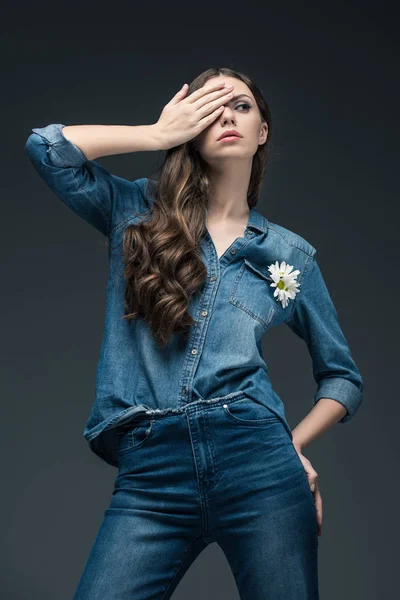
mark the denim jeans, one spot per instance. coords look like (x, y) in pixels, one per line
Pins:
(223, 470)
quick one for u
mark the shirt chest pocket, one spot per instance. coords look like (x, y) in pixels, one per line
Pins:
(252, 293)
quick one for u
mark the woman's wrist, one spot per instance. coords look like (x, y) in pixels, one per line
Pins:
(298, 445)
(157, 140)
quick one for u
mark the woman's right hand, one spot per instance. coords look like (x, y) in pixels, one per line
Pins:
(182, 119)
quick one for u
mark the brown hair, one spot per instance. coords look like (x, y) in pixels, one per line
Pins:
(163, 267)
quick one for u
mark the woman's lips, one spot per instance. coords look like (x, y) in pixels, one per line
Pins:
(229, 138)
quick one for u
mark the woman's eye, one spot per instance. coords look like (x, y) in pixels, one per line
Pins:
(244, 104)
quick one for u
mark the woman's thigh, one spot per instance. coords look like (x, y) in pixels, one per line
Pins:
(135, 558)
(262, 510)
(151, 531)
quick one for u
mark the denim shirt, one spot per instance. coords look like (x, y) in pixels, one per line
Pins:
(233, 310)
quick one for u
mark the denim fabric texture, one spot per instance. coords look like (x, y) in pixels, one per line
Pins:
(215, 471)
(232, 311)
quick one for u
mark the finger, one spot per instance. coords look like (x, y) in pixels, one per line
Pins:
(207, 106)
(317, 495)
(208, 119)
(313, 483)
(221, 94)
(312, 477)
(206, 89)
(318, 508)
(179, 95)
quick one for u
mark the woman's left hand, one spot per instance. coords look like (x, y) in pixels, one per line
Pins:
(312, 476)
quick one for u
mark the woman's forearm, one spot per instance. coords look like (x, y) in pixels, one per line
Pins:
(324, 414)
(104, 140)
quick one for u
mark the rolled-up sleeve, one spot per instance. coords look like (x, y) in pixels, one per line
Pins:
(85, 186)
(314, 318)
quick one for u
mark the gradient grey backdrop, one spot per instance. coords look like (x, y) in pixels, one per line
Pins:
(329, 75)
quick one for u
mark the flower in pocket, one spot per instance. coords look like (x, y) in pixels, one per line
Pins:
(284, 281)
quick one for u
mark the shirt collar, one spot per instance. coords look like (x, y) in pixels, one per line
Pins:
(257, 221)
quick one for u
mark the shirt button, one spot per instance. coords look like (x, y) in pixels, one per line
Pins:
(249, 231)
(185, 390)
(194, 351)
(213, 278)
(204, 313)
(233, 251)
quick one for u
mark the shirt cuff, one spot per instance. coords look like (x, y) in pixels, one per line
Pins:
(343, 391)
(62, 152)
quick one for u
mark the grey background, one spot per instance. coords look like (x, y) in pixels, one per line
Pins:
(328, 72)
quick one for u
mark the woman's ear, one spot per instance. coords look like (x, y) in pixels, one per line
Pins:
(263, 133)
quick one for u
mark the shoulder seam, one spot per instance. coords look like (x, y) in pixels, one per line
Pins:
(311, 258)
(271, 226)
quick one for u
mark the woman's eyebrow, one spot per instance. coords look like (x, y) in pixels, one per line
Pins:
(240, 96)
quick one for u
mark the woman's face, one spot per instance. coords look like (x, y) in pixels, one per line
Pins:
(240, 113)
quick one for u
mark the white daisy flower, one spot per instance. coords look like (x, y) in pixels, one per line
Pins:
(284, 282)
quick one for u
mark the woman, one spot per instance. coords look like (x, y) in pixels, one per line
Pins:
(184, 407)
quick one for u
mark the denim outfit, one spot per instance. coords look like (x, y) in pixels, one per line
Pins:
(196, 430)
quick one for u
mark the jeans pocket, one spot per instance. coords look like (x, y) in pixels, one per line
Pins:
(248, 412)
(135, 435)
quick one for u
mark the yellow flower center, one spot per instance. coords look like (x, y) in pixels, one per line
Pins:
(281, 285)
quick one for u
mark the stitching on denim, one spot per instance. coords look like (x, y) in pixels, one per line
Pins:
(273, 310)
(190, 364)
(82, 191)
(253, 268)
(185, 374)
(213, 453)
(269, 419)
(132, 445)
(179, 567)
(310, 261)
(132, 217)
(291, 244)
(264, 322)
(119, 224)
(114, 420)
(233, 396)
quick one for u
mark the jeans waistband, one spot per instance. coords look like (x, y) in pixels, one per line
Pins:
(193, 406)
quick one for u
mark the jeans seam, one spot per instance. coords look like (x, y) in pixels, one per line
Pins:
(175, 573)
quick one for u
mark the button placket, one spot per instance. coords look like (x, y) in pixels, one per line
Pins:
(215, 266)
(200, 328)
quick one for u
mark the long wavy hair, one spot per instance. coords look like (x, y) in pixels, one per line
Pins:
(163, 267)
